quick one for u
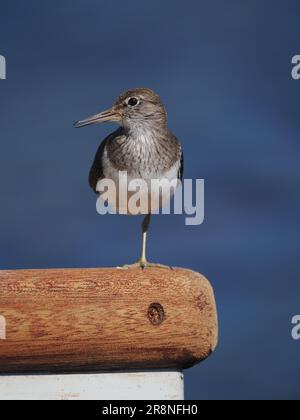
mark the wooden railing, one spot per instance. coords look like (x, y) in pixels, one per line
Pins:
(91, 320)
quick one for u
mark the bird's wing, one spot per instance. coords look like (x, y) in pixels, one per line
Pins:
(177, 148)
(96, 172)
(181, 168)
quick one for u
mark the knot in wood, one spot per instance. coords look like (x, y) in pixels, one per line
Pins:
(156, 313)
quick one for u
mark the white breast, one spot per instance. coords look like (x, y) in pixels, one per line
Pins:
(111, 173)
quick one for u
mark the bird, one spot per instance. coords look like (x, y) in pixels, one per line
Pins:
(143, 146)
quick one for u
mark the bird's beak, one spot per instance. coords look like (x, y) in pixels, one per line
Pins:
(110, 115)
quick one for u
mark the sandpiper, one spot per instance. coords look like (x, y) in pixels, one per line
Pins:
(143, 147)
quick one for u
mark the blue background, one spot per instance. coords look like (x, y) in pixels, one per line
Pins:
(223, 69)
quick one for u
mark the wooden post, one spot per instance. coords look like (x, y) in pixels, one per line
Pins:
(91, 320)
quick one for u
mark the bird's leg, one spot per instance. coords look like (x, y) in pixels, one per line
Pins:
(142, 262)
(145, 227)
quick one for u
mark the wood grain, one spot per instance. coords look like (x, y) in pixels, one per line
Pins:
(105, 320)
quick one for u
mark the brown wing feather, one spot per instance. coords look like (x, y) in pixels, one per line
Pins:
(181, 169)
(96, 172)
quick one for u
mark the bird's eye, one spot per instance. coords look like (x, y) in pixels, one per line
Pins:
(132, 102)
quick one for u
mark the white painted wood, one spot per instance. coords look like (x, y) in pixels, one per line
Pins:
(102, 386)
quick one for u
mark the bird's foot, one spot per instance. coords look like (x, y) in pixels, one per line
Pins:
(144, 265)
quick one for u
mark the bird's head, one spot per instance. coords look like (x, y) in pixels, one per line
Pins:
(136, 107)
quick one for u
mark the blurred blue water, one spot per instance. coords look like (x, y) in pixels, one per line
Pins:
(223, 70)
